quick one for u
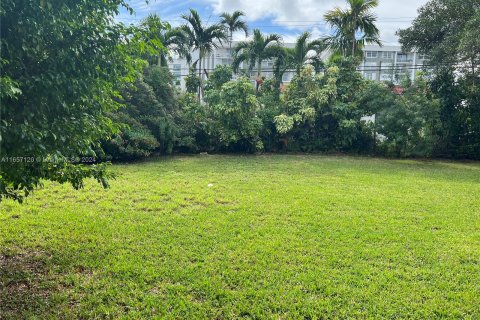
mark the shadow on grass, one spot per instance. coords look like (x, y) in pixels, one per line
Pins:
(25, 285)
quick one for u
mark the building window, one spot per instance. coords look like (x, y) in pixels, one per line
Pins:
(177, 73)
(388, 55)
(386, 77)
(267, 63)
(402, 57)
(401, 69)
(371, 54)
(422, 56)
(286, 77)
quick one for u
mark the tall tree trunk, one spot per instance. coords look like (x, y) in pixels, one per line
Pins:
(353, 44)
(200, 77)
(472, 61)
(259, 72)
(354, 40)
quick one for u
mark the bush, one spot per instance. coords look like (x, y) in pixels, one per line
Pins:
(133, 143)
(411, 124)
(221, 75)
(233, 111)
(192, 82)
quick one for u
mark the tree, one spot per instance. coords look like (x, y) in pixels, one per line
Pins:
(410, 123)
(233, 23)
(220, 75)
(202, 38)
(305, 51)
(347, 24)
(147, 120)
(255, 51)
(170, 39)
(447, 32)
(320, 110)
(192, 82)
(62, 64)
(233, 110)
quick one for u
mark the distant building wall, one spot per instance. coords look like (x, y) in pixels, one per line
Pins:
(386, 63)
(220, 56)
(390, 63)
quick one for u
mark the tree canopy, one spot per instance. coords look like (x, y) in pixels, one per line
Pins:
(62, 63)
(347, 24)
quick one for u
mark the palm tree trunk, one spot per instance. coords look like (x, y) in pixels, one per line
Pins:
(259, 72)
(200, 76)
(353, 44)
(354, 40)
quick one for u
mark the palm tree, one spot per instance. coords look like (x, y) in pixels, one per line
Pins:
(349, 23)
(306, 52)
(202, 38)
(161, 34)
(233, 23)
(255, 51)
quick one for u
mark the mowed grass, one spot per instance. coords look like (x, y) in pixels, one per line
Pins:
(263, 237)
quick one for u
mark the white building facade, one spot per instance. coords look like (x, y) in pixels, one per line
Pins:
(220, 56)
(386, 63)
(390, 63)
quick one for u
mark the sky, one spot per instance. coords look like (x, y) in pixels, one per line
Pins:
(285, 17)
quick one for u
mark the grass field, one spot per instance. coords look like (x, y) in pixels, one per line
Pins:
(282, 237)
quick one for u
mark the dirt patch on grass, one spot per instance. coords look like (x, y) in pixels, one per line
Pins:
(24, 289)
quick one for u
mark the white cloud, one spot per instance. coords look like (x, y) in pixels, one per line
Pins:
(301, 15)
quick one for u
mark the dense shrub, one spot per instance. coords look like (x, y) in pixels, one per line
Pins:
(411, 124)
(192, 125)
(233, 111)
(192, 82)
(220, 75)
(318, 112)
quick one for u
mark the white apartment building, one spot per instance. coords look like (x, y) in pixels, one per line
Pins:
(220, 56)
(390, 63)
(386, 63)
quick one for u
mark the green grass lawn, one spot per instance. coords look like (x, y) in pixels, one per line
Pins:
(282, 237)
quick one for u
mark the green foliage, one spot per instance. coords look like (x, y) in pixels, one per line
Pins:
(165, 39)
(134, 142)
(348, 24)
(261, 47)
(411, 123)
(62, 65)
(203, 38)
(156, 118)
(233, 22)
(405, 125)
(233, 110)
(306, 52)
(140, 118)
(320, 109)
(220, 75)
(192, 125)
(284, 123)
(447, 31)
(192, 82)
